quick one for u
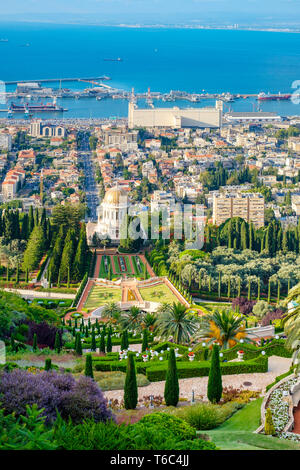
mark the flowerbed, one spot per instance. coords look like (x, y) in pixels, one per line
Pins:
(280, 410)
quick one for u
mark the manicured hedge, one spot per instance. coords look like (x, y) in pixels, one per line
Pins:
(164, 346)
(201, 369)
(156, 371)
(275, 348)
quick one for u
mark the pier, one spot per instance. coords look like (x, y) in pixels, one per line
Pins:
(55, 80)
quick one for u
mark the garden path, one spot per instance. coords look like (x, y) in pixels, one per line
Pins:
(277, 366)
(97, 266)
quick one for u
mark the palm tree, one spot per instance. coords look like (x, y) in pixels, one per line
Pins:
(291, 323)
(149, 321)
(174, 320)
(132, 319)
(112, 311)
(223, 327)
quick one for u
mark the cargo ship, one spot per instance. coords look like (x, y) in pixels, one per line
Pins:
(38, 108)
(274, 97)
(118, 59)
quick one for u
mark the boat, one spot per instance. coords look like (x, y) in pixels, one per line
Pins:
(118, 59)
(48, 107)
(273, 97)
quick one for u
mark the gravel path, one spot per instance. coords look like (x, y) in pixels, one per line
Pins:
(277, 366)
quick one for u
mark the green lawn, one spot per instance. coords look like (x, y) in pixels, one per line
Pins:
(127, 263)
(135, 265)
(102, 295)
(102, 272)
(237, 432)
(159, 293)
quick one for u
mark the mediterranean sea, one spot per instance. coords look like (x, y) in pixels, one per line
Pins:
(163, 59)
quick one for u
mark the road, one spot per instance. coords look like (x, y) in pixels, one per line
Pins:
(92, 198)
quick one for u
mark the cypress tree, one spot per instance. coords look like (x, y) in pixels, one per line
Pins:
(88, 371)
(57, 345)
(249, 289)
(124, 340)
(244, 241)
(278, 291)
(145, 340)
(269, 426)
(78, 345)
(219, 285)
(25, 228)
(251, 237)
(93, 342)
(130, 388)
(269, 291)
(102, 341)
(258, 289)
(48, 364)
(30, 220)
(214, 386)
(12, 343)
(228, 291)
(34, 344)
(171, 392)
(109, 342)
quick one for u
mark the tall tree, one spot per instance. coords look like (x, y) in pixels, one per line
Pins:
(130, 388)
(214, 386)
(171, 393)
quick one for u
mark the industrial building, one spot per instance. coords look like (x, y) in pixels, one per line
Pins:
(259, 116)
(176, 118)
(248, 206)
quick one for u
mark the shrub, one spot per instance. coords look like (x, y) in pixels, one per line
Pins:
(53, 392)
(153, 432)
(174, 425)
(205, 416)
(171, 393)
(269, 426)
(214, 386)
(244, 305)
(44, 332)
(25, 432)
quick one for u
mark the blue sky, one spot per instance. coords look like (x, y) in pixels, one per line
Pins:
(244, 11)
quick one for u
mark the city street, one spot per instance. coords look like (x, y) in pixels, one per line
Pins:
(92, 199)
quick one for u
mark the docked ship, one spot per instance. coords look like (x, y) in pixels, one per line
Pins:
(274, 97)
(118, 59)
(37, 108)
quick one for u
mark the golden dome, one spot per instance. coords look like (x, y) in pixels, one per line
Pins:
(113, 196)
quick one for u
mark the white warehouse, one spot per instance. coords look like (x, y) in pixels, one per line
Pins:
(175, 117)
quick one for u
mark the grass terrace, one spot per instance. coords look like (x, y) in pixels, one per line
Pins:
(102, 295)
(158, 293)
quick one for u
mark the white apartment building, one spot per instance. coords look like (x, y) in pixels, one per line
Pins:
(5, 142)
(248, 206)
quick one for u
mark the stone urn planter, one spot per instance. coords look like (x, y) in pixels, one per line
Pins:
(145, 358)
(191, 356)
(240, 355)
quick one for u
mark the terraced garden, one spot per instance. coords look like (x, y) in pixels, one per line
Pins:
(104, 267)
(158, 293)
(102, 295)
